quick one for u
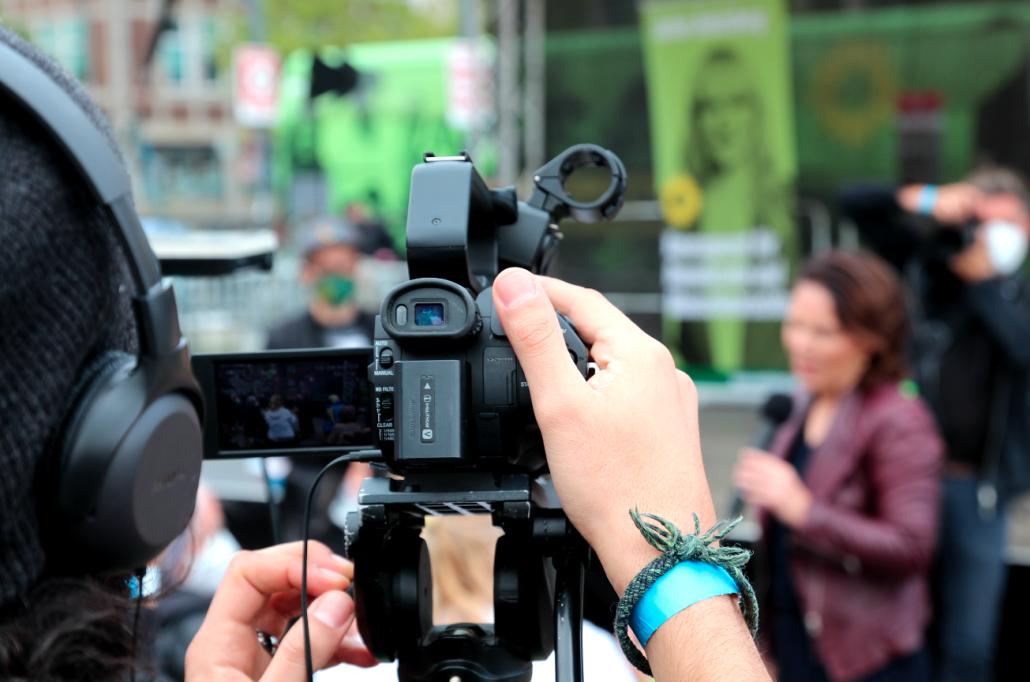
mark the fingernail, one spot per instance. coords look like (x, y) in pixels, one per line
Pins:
(333, 609)
(514, 287)
(333, 574)
(344, 564)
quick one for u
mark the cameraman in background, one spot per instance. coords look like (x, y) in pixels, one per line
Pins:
(332, 249)
(961, 247)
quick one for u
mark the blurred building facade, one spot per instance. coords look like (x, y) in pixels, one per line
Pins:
(169, 97)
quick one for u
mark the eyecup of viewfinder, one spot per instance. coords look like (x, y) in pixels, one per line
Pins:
(429, 308)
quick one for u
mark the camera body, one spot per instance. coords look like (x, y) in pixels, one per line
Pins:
(449, 392)
(456, 429)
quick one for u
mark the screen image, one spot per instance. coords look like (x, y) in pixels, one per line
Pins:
(429, 315)
(292, 403)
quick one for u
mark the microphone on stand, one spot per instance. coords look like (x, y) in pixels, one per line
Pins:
(774, 412)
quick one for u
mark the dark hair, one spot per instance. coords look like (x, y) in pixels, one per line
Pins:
(991, 179)
(870, 303)
(69, 628)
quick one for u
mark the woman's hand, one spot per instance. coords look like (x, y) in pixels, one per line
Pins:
(627, 438)
(261, 592)
(767, 481)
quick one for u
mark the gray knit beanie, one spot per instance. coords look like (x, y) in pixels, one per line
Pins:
(64, 300)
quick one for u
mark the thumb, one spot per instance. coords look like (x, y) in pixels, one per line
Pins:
(329, 618)
(531, 325)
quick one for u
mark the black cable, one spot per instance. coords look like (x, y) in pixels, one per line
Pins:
(273, 504)
(140, 574)
(359, 456)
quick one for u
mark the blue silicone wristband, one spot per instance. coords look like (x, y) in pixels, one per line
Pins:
(684, 585)
(927, 199)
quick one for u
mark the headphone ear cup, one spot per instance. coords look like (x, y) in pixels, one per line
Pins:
(92, 376)
(127, 470)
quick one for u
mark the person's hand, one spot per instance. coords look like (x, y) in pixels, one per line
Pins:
(956, 204)
(627, 438)
(261, 592)
(769, 482)
(973, 263)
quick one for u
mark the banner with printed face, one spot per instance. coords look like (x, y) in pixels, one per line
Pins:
(719, 96)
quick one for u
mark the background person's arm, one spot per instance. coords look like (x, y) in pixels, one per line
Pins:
(627, 438)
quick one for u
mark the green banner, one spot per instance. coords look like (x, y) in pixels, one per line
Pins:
(366, 141)
(719, 96)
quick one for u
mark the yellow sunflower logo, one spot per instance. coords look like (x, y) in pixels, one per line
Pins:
(681, 200)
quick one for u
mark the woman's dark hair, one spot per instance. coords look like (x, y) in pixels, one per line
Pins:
(870, 304)
(69, 628)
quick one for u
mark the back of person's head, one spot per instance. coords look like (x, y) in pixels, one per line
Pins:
(992, 180)
(870, 304)
(63, 302)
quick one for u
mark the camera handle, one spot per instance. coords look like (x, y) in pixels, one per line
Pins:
(538, 579)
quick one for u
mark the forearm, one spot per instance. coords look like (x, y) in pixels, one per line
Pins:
(707, 641)
(621, 548)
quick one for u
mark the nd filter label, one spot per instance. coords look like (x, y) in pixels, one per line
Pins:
(427, 390)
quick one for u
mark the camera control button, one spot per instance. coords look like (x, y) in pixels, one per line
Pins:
(400, 315)
(386, 358)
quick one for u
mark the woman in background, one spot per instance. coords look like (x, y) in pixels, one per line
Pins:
(849, 491)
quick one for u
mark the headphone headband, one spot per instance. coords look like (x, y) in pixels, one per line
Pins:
(94, 159)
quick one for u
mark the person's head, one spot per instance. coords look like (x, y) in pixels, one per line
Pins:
(1003, 196)
(846, 325)
(275, 402)
(64, 302)
(331, 248)
(725, 120)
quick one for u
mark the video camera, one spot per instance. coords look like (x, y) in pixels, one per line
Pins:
(441, 395)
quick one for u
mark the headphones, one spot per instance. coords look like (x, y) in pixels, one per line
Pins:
(119, 480)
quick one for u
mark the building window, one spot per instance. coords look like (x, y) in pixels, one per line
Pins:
(170, 56)
(209, 47)
(181, 172)
(67, 41)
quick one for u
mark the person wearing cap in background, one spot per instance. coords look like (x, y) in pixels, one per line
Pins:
(332, 249)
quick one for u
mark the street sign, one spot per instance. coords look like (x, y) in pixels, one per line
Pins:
(255, 85)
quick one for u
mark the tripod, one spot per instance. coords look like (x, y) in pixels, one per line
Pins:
(538, 579)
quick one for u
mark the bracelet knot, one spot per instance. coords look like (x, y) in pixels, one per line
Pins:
(676, 548)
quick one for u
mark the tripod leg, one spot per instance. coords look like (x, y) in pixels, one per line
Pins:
(568, 615)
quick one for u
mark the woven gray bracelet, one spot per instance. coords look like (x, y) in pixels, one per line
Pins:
(676, 548)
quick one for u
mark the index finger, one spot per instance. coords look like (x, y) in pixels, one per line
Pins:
(589, 311)
(253, 577)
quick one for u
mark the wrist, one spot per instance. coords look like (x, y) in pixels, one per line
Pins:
(623, 551)
(926, 200)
